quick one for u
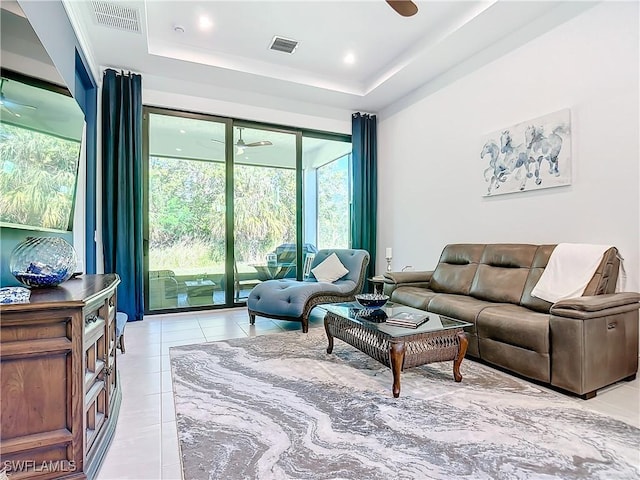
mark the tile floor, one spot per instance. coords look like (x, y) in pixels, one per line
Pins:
(145, 445)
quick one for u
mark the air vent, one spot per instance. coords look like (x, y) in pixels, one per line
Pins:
(285, 45)
(117, 16)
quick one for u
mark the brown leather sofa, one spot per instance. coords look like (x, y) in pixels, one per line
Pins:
(579, 344)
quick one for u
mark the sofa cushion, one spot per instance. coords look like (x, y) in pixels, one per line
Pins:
(461, 307)
(515, 325)
(456, 268)
(416, 297)
(503, 272)
(540, 261)
(604, 280)
(516, 338)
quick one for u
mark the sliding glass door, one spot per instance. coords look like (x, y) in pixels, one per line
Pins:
(186, 212)
(232, 204)
(265, 205)
(326, 164)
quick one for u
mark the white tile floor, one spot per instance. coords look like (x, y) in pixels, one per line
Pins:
(145, 445)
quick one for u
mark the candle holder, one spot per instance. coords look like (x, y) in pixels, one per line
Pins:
(389, 264)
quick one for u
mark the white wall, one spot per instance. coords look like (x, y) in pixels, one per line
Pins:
(430, 173)
(212, 106)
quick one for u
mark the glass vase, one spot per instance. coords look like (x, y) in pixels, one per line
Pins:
(43, 261)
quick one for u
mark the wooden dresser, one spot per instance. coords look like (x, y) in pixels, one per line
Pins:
(60, 395)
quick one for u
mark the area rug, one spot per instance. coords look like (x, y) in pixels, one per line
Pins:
(279, 407)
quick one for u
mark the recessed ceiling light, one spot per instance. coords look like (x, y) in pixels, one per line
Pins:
(178, 149)
(349, 58)
(183, 131)
(205, 22)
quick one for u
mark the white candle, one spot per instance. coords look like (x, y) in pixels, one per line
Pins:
(388, 253)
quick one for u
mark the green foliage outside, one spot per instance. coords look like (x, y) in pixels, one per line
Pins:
(333, 204)
(37, 178)
(187, 214)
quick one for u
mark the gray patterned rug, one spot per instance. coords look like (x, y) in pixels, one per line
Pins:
(278, 407)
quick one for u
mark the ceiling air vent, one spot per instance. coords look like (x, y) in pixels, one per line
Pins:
(117, 16)
(285, 45)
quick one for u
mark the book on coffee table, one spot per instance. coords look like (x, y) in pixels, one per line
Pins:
(407, 319)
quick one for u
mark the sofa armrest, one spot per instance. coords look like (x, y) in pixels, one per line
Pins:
(407, 277)
(393, 280)
(594, 341)
(597, 305)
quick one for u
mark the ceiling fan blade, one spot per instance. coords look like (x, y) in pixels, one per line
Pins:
(406, 8)
(21, 105)
(261, 143)
(11, 112)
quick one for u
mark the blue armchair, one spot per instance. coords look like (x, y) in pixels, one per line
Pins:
(289, 299)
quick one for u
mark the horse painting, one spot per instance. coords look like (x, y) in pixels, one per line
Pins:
(514, 155)
(546, 148)
(516, 158)
(496, 172)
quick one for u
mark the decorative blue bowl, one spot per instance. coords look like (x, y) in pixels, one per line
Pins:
(14, 295)
(371, 300)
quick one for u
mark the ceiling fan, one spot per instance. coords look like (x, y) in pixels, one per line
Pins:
(12, 106)
(406, 8)
(241, 144)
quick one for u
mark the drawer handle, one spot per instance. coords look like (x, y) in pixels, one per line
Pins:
(612, 325)
(91, 319)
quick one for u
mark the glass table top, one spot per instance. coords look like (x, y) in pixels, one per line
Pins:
(375, 319)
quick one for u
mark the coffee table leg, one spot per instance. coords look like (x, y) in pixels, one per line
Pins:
(329, 336)
(462, 350)
(396, 354)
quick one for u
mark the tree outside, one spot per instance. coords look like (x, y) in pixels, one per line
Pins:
(187, 214)
(333, 204)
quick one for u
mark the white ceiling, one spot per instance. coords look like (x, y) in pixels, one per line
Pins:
(25, 105)
(231, 61)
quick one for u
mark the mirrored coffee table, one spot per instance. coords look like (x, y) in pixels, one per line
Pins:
(439, 339)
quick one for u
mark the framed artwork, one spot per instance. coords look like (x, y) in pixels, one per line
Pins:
(528, 156)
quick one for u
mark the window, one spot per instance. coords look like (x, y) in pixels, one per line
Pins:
(333, 204)
(326, 161)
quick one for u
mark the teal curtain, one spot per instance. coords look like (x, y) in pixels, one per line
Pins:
(122, 187)
(365, 186)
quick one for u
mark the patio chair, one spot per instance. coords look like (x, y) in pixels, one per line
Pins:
(288, 299)
(241, 284)
(163, 289)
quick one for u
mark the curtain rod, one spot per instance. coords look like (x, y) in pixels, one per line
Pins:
(126, 73)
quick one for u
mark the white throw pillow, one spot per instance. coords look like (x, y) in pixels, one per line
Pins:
(330, 269)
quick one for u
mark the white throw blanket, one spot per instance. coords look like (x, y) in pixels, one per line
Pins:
(570, 268)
